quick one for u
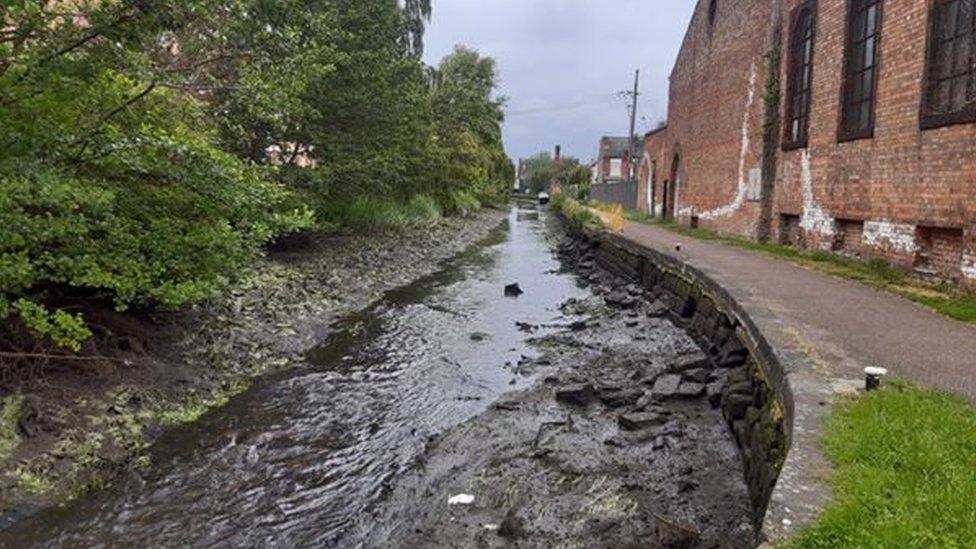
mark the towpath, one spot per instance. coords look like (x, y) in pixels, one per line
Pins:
(841, 325)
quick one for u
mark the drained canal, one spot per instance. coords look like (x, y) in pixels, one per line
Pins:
(431, 420)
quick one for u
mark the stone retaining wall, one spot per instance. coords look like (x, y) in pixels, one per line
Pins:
(757, 401)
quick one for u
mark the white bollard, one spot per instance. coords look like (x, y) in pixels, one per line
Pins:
(872, 377)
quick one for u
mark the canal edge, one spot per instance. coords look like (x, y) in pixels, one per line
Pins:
(791, 491)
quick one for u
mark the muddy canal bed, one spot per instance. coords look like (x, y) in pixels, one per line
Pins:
(449, 415)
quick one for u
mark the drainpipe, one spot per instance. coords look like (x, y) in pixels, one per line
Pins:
(771, 124)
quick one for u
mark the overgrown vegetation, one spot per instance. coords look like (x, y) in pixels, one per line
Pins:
(149, 150)
(905, 475)
(950, 301)
(578, 215)
(572, 175)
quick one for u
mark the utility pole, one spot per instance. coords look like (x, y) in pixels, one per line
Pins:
(633, 125)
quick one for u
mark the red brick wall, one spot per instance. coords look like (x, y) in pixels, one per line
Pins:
(653, 169)
(902, 178)
(901, 184)
(715, 115)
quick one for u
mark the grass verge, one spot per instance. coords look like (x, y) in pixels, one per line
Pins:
(942, 298)
(905, 473)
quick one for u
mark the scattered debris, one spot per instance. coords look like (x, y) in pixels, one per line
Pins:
(461, 499)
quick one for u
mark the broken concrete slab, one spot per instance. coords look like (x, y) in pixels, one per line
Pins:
(698, 375)
(578, 394)
(619, 399)
(666, 386)
(690, 390)
(641, 420)
(692, 361)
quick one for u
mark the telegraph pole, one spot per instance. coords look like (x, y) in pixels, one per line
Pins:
(633, 125)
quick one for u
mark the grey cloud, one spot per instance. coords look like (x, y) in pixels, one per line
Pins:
(562, 61)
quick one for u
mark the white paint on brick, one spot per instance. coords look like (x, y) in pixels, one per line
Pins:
(742, 192)
(814, 219)
(884, 234)
(968, 265)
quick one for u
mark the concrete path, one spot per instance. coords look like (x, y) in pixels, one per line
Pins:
(841, 326)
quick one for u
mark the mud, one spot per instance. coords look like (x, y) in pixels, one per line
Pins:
(607, 465)
(449, 415)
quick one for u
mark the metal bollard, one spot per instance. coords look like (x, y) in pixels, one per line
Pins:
(872, 377)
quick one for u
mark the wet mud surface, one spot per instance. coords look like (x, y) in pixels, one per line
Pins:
(450, 415)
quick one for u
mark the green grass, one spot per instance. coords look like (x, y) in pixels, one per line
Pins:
(905, 473)
(370, 213)
(944, 299)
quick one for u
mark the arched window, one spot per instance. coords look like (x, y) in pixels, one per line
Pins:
(712, 11)
(950, 84)
(861, 69)
(800, 76)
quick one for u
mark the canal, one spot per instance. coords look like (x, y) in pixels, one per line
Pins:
(430, 420)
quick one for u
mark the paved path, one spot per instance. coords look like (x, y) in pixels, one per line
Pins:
(840, 325)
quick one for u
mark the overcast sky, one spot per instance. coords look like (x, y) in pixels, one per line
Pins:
(562, 63)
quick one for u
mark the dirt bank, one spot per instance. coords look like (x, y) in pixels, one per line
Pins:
(68, 427)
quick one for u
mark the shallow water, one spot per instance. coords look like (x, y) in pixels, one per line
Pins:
(295, 460)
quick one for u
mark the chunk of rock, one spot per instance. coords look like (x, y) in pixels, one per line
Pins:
(619, 399)
(621, 300)
(690, 390)
(693, 361)
(666, 386)
(641, 420)
(736, 405)
(698, 375)
(714, 393)
(513, 290)
(579, 394)
(658, 309)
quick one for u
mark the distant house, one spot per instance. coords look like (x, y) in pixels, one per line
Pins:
(615, 158)
(613, 181)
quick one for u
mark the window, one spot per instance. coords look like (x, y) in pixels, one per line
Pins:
(800, 76)
(861, 69)
(712, 11)
(950, 86)
(616, 168)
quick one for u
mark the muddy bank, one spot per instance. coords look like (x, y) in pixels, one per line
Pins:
(67, 428)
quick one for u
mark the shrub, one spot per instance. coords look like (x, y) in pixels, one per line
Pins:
(141, 208)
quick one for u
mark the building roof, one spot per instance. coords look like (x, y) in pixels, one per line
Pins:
(616, 147)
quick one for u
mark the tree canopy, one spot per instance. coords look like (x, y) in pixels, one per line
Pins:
(150, 149)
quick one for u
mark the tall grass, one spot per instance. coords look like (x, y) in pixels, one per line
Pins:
(371, 213)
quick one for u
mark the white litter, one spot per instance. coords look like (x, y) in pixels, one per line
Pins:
(491, 527)
(461, 499)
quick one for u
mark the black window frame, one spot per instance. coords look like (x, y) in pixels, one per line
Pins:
(929, 119)
(795, 41)
(853, 95)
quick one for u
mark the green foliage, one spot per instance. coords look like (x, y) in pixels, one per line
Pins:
(573, 177)
(148, 150)
(905, 473)
(370, 213)
(577, 214)
(110, 181)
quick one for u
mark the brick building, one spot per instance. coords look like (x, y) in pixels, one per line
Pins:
(614, 159)
(836, 125)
